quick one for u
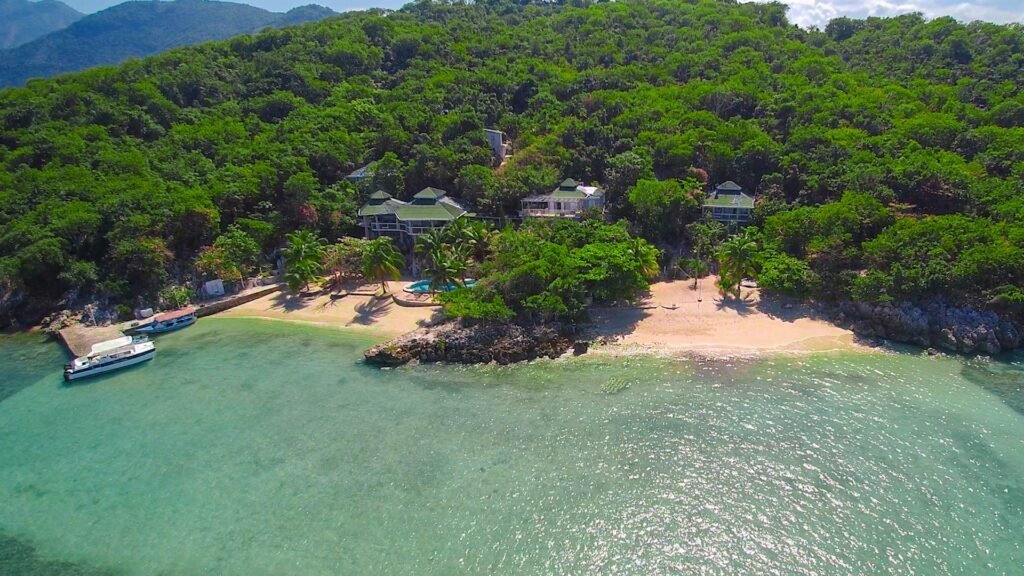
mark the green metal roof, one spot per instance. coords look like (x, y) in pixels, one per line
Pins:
(380, 202)
(740, 200)
(440, 211)
(729, 186)
(429, 193)
(389, 206)
(573, 194)
(568, 184)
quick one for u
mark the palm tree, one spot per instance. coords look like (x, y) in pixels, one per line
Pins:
(448, 267)
(303, 259)
(479, 238)
(458, 231)
(431, 241)
(381, 260)
(694, 267)
(735, 259)
(647, 256)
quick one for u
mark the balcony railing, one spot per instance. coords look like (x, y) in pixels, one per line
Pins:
(402, 227)
(542, 212)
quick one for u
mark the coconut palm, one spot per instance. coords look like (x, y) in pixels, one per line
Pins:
(735, 259)
(381, 260)
(479, 238)
(459, 231)
(695, 267)
(647, 256)
(447, 268)
(303, 258)
(431, 241)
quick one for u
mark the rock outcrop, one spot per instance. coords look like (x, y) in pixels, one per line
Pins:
(473, 343)
(935, 323)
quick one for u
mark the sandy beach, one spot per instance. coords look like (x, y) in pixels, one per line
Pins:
(380, 316)
(673, 318)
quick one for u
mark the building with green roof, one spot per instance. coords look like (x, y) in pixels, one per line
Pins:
(430, 208)
(569, 200)
(728, 203)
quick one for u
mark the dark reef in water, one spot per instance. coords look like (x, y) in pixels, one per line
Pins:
(18, 558)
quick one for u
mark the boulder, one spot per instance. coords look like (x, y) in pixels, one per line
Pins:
(935, 323)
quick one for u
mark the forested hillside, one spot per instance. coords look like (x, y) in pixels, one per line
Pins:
(887, 155)
(134, 29)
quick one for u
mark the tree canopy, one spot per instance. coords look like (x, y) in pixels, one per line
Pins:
(866, 143)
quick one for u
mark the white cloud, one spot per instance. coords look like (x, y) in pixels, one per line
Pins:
(819, 12)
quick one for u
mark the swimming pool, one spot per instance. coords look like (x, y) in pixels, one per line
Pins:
(423, 287)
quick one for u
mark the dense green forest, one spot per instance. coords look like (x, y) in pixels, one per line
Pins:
(887, 155)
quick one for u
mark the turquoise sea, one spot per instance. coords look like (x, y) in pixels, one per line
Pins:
(254, 447)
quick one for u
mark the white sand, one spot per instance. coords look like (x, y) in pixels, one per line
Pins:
(378, 316)
(704, 321)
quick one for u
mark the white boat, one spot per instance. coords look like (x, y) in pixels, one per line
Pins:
(168, 322)
(110, 355)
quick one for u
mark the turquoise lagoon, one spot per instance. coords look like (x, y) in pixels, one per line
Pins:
(256, 447)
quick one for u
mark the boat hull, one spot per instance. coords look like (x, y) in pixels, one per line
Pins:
(70, 375)
(163, 329)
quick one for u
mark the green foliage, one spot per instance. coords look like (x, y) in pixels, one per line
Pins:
(663, 208)
(468, 303)
(303, 257)
(549, 269)
(174, 297)
(852, 137)
(382, 260)
(344, 259)
(736, 260)
(783, 274)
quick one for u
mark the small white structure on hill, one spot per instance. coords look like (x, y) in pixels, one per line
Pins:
(570, 199)
(501, 147)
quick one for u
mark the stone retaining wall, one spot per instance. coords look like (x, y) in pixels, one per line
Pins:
(228, 303)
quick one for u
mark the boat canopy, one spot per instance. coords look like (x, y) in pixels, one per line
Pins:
(108, 345)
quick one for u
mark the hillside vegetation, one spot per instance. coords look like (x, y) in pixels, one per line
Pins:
(887, 154)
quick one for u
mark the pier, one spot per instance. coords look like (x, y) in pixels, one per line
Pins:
(79, 339)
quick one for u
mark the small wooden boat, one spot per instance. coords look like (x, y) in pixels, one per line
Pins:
(110, 355)
(168, 322)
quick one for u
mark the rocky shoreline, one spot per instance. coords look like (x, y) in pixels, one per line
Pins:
(462, 342)
(935, 323)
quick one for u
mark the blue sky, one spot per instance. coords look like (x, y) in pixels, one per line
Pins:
(803, 12)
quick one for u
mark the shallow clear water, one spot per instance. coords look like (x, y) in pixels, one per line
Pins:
(251, 447)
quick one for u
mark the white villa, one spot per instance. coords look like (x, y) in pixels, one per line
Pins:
(568, 200)
(430, 208)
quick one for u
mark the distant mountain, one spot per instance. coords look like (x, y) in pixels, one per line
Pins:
(22, 21)
(136, 29)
